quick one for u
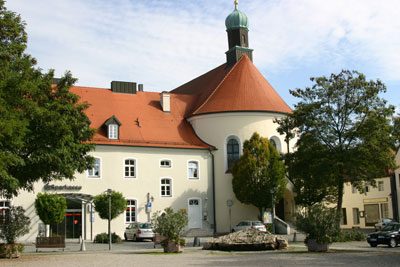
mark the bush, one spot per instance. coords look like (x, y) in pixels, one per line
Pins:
(170, 224)
(349, 235)
(319, 223)
(103, 238)
(13, 224)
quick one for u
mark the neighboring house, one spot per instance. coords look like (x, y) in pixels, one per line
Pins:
(363, 210)
(172, 149)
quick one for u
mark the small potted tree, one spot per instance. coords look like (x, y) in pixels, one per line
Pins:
(320, 224)
(51, 210)
(170, 226)
(13, 224)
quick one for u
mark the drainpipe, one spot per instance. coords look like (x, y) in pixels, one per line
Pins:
(213, 191)
(395, 205)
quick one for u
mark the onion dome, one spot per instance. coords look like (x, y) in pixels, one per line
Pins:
(237, 19)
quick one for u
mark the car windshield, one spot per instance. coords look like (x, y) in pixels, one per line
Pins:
(257, 223)
(145, 225)
(390, 227)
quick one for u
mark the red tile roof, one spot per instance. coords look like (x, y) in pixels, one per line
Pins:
(143, 123)
(240, 87)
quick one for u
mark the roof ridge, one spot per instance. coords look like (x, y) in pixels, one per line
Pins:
(219, 85)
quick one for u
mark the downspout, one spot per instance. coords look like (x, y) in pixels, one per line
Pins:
(393, 187)
(213, 191)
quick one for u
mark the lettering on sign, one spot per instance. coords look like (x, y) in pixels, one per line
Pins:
(52, 187)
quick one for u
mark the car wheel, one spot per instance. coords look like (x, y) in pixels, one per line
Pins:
(373, 244)
(134, 238)
(126, 238)
(392, 243)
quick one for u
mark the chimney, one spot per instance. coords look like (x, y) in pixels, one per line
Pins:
(140, 87)
(165, 101)
(123, 87)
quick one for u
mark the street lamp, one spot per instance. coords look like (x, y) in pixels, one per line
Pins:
(109, 191)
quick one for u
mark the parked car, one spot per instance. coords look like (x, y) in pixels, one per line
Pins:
(382, 223)
(244, 225)
(389, 235)
(139, 231)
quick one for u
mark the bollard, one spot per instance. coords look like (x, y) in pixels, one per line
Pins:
(83, 247)
(294, 237)
(80, 239)
(196, 242)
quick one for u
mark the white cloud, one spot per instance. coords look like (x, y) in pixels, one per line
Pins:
(166, 43)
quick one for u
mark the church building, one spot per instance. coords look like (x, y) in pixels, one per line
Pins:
(174, 148)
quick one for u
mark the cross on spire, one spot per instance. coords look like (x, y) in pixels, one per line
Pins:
(236, 2)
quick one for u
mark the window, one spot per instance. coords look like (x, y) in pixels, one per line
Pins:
(130, 168)
(380, 186)
(356, 216)
(130, 213)
(4, 205)
(193, 169)
(384, 210)
(273, 142)
(366, 189)
(95, 171)
(343, 219)
(232, 149)
(165, 163)
(166, 187)
(112, 131)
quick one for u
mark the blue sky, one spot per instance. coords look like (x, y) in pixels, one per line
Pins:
(164, 44)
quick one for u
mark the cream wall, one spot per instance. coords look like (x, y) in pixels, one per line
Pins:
(147, 180)
(359, 200)
(215, 129)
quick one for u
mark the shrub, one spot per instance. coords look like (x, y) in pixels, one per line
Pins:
(349, 235)
(170, 224)
(101, 204)
(103, 238)
(319, 223)
(13, 224)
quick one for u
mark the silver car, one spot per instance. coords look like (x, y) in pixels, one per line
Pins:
(139, 231)
(244, 225)
(382, 223)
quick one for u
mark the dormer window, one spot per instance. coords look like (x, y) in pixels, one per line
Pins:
(113, 131)
(112, 127)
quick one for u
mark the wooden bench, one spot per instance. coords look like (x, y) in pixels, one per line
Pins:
(158, 239)
(50, 242)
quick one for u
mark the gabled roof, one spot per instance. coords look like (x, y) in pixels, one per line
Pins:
(143, 123)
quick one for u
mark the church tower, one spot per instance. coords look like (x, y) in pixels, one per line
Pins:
(237, 28)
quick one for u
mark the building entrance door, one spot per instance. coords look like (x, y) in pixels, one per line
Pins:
(194, 213)
(371, 214)
(73, 224)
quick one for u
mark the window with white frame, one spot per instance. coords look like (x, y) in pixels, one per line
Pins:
(381, 186)
(166, 187)
(193, 169)
(130, 168)
(112, 131)
(165, 163)
(232, 152)
(95, 171)
(4, 205)
(130, 213)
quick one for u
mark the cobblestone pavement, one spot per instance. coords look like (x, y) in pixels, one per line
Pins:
(143, 254)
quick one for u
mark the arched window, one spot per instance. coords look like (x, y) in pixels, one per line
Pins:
(193, 169)
(276, 143)
(232, 152)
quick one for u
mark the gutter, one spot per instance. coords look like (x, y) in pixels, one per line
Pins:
(213, 192)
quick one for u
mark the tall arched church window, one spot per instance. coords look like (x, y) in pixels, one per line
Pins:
(232, 149)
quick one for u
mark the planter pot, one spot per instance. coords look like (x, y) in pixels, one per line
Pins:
(313, 246)
(11, 250)
(172, 247)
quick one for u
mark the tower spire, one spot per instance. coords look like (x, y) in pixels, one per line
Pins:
(236, 2)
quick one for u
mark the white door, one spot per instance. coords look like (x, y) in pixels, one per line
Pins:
(194, 213)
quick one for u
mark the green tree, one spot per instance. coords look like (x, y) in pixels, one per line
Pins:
(345, 134)
(170, 224)
(101, 204)
(43, 128)
(50, 208)
(258, 171)
(13, 224)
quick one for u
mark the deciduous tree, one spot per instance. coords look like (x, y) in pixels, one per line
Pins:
(44, 131)
(258, 173)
